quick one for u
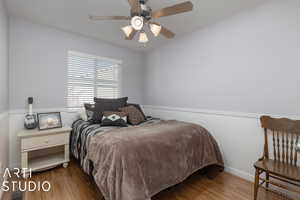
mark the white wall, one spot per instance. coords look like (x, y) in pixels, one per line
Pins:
(3, 90)
(219, 76)
(38, 64)
(247, 63)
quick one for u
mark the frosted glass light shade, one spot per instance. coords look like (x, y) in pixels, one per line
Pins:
(143, 38)
(155, 29)
(127, 30)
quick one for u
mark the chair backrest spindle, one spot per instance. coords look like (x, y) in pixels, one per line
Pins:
(274, 145)
(285, 138)
(296, 156)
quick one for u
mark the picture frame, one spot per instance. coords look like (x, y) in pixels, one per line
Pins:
(49, 120)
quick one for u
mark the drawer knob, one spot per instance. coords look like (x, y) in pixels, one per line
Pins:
(47, 141)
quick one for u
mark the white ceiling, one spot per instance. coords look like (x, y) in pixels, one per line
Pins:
(72, 15)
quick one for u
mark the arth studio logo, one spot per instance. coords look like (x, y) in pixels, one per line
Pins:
(20, 184)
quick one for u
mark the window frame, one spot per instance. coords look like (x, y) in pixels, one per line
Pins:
(116, 61)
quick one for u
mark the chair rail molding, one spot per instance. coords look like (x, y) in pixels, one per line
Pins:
(238, 134)
(218, 112)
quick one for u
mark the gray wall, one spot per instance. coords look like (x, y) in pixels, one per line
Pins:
(247, 63)
(3, 58)
(38, 64)
(4, 139)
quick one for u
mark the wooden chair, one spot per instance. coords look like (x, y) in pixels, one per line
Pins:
(283, 165)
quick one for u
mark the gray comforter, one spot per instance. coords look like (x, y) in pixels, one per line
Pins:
(136, 163)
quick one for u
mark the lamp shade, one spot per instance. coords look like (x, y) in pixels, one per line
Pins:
(155, 29)
(143, 37)
(127, 30)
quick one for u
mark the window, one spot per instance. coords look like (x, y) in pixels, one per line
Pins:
(91, 76)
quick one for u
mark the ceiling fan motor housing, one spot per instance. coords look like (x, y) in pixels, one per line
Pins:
(145, 10)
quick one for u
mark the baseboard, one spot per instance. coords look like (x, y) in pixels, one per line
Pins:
(239, 173)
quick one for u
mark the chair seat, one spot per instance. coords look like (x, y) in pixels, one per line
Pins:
(278, 168)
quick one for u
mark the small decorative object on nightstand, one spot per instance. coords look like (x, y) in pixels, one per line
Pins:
(33, 140)
(30, 121)
(49, 120)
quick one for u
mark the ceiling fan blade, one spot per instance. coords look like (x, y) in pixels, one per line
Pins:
(109, 18)
(131, 36)
(173, 10)
(135, 6)
(167, 33)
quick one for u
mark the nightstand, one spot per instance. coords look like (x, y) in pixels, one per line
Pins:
(42, 143)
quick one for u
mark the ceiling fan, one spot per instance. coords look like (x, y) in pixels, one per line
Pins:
(141, 16)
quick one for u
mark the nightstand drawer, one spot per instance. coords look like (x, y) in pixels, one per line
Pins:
(44, 141)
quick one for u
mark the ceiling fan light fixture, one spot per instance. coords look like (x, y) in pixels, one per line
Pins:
(141, 16)
(143, 37)
(137, 23)
(155, 29)
(127, 30)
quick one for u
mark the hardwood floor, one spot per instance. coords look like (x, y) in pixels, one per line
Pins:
(73, 184)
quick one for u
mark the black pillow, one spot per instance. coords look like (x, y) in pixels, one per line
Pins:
(114, 119)
(101, 100)
(102, 105)
(89, 108)
(139, 108)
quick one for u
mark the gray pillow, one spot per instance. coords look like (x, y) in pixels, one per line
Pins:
(89, 108)
(102, 105)
(135, 117)
(139, 108)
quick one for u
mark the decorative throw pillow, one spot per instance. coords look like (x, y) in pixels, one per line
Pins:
(102, 105)
(82, 114)
(135, 117)
(139, 108)
(112, 118)
(89, 110)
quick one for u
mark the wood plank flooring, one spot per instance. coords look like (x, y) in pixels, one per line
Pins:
(73, 184)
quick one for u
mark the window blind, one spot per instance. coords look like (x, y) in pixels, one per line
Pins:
(91, 76)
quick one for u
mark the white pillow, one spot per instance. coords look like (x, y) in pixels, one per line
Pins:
(82, 114)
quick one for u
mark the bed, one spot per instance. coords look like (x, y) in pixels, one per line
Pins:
(137, 162)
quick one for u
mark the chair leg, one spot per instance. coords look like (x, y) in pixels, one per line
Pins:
(267, 180)
(256, 184)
